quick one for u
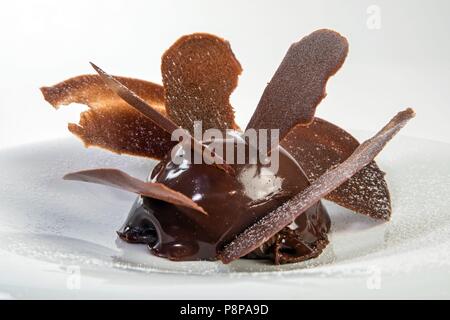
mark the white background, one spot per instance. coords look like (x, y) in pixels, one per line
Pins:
(404, 63)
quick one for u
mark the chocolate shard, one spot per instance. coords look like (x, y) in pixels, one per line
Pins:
(298, 85)
(121, 180)
(110, 123)
(322, 145)
(268, 226)
(199, 74)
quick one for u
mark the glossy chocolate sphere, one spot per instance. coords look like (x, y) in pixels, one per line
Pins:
(233, 202)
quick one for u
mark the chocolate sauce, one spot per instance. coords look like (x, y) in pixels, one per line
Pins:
(233, 202)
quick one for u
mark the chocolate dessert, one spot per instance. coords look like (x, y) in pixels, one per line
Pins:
(225, 208)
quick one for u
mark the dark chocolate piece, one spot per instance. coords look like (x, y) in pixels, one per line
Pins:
(298, 86)
(199, 73)
(320, 146)
(268, 226)
(118, 179)
(290, 247)
(303, 240)
(110, 123)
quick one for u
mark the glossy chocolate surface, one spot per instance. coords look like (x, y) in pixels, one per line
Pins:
(233, 202)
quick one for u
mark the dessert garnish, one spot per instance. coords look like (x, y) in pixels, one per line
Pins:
(227, 207)
(121, 180)
(298, 86)
(322, 145)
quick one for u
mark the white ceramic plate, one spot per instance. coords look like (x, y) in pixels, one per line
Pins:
(57, 238)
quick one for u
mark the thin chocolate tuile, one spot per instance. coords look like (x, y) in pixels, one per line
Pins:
(322, 145)
(122, 130)
(110, 123)
(298, 85)
(199, 74)
(164, 123)
(268, 226)
(121, 180)
(90, 89)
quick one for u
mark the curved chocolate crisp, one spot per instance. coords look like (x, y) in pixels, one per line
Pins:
(322, 145)
(199, 73)
(121, 180)
(268, 226)
(298, 86)
(110, 122)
